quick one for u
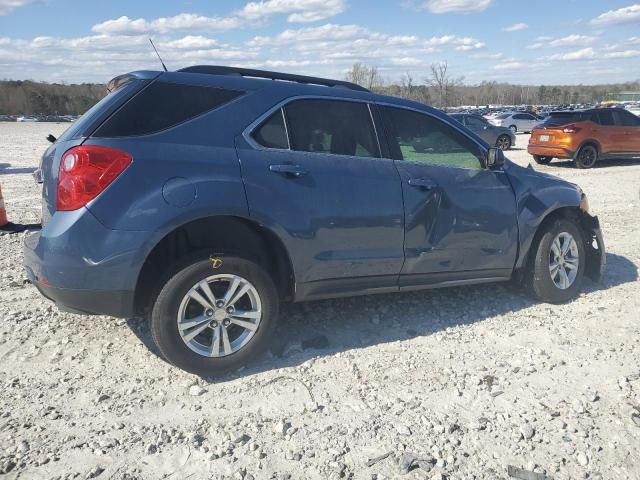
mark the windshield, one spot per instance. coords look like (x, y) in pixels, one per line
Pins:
(502, 116)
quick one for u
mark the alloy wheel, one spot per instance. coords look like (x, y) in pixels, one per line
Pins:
(564, 260)
(503, 143)
(219, 315)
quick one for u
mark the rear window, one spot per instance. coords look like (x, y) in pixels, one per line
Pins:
(563, 118)
(163, 105)
(77, 128)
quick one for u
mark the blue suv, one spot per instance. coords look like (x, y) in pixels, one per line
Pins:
(203, 198)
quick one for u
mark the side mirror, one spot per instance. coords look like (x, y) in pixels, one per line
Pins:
(495, 158)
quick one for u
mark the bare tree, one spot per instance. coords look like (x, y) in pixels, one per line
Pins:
(365, 76)
(444, 84)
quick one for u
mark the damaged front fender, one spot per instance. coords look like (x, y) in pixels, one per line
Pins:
(594, 248)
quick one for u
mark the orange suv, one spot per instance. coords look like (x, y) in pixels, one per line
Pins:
(586, 136)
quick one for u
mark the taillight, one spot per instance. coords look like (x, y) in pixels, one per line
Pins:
(85, 172)
(571, 129)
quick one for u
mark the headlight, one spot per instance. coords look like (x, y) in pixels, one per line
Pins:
(584, 203)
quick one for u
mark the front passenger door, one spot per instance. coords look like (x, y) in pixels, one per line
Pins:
(460, 218)
(631, 125)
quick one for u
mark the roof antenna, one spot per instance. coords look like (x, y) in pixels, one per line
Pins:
(159, 57)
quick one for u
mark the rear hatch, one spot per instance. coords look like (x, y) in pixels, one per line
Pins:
(550, 131)
(121, 89)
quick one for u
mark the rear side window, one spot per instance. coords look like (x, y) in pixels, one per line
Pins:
(331, 126)
(162, 105)
(272, 133)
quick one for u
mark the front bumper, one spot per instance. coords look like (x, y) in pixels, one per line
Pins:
(595, 249)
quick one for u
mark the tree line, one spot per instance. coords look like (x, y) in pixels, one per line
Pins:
(25, 97)
(436, 87)
(439, 88)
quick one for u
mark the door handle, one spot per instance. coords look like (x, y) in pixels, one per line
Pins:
(422, 183)
(288, 169)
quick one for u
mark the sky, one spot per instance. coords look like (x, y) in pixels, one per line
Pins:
(517, 41)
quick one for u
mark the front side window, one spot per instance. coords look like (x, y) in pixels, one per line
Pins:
(272, 133)
(331, 126)
(418, 137)
(626, 119)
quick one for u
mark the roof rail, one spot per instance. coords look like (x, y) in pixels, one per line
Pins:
(250, 72)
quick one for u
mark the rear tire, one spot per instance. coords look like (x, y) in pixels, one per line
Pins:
(554, 276)
(503, 142)
(542, 160)
(586, 157)
(231, 332)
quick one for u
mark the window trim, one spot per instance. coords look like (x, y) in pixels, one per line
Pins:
(247, 133)
(261, 124)
(483, 149)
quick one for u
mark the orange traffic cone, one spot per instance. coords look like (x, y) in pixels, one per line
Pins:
(5, 225)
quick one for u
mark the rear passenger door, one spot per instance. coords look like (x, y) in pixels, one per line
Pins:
(460, 217)
(314, 174)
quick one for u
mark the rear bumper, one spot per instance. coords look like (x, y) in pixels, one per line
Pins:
(549, 151)
(84, 267)
(89, 302)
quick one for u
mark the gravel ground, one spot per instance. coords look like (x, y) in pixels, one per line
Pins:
(444, 384)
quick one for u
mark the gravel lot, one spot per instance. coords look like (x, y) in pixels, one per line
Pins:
(457, 384)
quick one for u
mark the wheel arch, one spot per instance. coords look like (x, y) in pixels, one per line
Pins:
(582, 219)
(221, 235)
(589, 141)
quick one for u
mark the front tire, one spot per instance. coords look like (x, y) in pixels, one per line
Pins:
(586, 157)
(542, 160)
(214, 316)
(503, 142)
(513, 128)
(557, 268)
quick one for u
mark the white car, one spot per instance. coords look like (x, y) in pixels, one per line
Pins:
(516, 121)
(635, 109)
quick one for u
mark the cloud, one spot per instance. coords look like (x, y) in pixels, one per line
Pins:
(8, 6)
(584, 54)
(622, 54)
(568, 41)
(300, 11)
(182, 22)
(516, 27)
(457, 6)
(630, 14)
